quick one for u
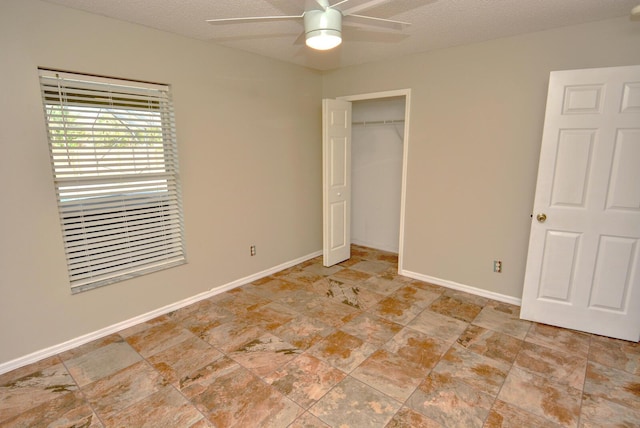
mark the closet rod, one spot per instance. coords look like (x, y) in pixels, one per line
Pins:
(378, 122)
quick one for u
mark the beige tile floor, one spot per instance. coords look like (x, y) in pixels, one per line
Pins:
(354, 345)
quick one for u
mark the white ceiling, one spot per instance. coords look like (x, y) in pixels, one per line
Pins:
(435, 24)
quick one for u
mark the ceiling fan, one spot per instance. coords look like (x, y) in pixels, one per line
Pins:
(323, 21)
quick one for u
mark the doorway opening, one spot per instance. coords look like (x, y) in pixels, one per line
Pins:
(376, 172)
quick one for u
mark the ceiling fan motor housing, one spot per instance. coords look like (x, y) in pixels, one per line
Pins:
(323, 28)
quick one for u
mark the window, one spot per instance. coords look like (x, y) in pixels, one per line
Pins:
(115, 168)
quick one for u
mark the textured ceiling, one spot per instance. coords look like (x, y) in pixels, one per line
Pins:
(435, 24)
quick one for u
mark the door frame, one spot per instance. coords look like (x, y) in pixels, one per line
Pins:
(406, 93)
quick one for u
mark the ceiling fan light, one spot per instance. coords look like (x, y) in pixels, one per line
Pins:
(323, 39)
(323, 28)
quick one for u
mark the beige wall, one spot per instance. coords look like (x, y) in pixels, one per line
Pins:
(250, 155)
(476, 123)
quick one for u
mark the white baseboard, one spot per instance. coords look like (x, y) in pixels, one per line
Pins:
(462, 287)
(70, 344)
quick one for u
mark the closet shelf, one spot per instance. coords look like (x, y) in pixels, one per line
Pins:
(378, 122)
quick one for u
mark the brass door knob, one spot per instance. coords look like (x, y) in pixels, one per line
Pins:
(541, 217)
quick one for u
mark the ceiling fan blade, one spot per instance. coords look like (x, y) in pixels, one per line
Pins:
(339, 3)
(367, 35)
(366, 5)
(370, 21)
(316, 4)
(253, 19)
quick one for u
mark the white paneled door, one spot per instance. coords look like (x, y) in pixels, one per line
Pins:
(336, 181)
(583, 266)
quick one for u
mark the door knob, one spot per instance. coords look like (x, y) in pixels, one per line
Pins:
(541, 217)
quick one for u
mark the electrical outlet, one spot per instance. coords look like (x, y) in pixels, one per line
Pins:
(253, 250)
(497, 266)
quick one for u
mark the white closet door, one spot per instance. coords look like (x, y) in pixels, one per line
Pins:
(336, 181)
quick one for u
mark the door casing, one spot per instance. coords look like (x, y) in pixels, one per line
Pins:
(406, 93)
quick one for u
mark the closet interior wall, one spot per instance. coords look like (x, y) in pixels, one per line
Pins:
(376, 172)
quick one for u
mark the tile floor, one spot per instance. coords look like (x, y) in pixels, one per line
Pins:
(354, 345)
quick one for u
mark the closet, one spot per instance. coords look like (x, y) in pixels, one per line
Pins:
(376, 172)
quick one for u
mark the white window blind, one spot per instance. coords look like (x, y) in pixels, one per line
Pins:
(115, 167)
